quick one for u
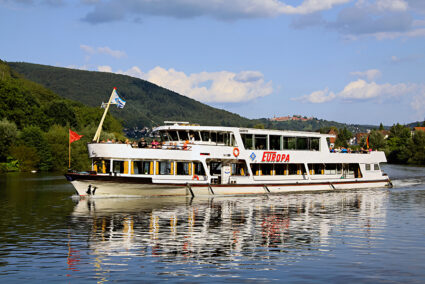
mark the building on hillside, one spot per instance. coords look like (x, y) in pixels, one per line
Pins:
(288, 118)
(416, 129)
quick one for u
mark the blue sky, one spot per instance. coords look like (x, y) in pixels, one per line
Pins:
(354, 61)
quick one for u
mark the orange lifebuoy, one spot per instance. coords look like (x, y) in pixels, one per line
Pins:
(195, 177)
(236, 151)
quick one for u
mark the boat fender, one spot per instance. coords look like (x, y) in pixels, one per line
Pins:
(236, 151)
(195, 177)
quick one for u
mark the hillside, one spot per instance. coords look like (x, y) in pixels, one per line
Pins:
(34, 123)
(147, 103)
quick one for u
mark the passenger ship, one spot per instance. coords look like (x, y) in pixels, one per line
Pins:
(195, 160)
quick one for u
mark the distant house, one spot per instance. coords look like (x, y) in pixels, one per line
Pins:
(415, 129)
(288, 118)
(332, 139)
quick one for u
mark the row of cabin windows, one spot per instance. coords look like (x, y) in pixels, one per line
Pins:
(225, 138)
(150, 167)
(369, 167)
(278, 142)
(299, 169)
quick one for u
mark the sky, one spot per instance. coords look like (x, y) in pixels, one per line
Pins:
(351, 61)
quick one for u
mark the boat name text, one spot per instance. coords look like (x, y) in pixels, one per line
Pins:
(275, 157)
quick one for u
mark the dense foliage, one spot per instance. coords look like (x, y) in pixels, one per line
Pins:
(34, 124)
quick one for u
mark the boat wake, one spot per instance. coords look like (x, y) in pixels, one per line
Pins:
(408, 182)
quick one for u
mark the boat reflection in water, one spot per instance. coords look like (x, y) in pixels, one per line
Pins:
(230, 230)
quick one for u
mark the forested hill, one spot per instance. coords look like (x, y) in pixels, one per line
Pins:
(34, 123)
(147, 104)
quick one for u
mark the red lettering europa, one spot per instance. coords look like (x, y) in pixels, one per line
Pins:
(274, 157)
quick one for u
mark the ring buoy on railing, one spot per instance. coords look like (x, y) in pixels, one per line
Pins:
(195, 177)
(236, 151)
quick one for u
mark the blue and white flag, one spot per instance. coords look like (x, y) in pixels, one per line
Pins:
(117, 100)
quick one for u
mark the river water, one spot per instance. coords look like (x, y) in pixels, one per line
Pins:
(368, 236)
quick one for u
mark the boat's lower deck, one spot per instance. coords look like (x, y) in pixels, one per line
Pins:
(96, 185)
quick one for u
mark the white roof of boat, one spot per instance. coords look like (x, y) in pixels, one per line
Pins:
(187, 126)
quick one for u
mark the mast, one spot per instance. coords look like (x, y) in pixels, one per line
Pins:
(99, 128)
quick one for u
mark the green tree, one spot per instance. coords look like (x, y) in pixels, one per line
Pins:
(32, 136)
(344, 135)
(398, 141)
(377, 140)
(8, 134)
(417, 148)
(381, 126)
(26, 156)
(57, 138)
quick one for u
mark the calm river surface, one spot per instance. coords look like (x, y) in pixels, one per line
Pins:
(368, 236)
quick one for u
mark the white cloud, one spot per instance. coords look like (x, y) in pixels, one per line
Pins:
(102, 50)
(311, 6)
(361, 90)
(104, 68)
(370, 74)
(115, 10)
(418, 103)
(317, 97)
(222, 86)
(391, 5)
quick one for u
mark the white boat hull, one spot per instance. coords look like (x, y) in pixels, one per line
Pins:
(118, 189)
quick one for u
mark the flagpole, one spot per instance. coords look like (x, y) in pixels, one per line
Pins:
(99, 128)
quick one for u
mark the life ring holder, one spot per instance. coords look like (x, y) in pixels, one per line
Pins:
(236, 152)
(195, 177)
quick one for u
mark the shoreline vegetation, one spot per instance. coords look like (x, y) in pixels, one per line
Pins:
(35, 122)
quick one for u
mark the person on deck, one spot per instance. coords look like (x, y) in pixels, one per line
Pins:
(142, 143)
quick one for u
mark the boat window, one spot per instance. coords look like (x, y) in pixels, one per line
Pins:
(183, 135)
(198, 169)
(302, 143)
(333, 169)
(164, 136)
(183, 168)
(376, 167)
(164, 167)
(278, 169)
(266, 169)
(173, 135)
(367, 167)
(289, 143)
(275, 142)
(102, 166)
(247, 141)
(215, 168)
(316, 169)
(314, 143)
(281, 169)
(239, 169)
(118, 166)
(260, 142)
(232, 140)
(220, 137)
(214, 137)
(296, 169)
(205, 136)
(195, 135)
(143, 167)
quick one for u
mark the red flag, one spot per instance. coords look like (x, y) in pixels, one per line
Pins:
(73, 136)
